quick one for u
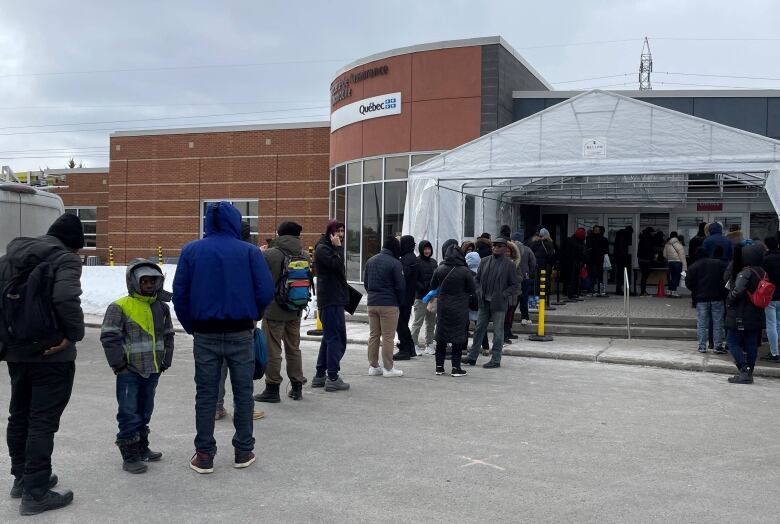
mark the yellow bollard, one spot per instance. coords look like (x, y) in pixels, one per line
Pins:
(540, 336)
(159, 255)
(317, 331)
(111, 256)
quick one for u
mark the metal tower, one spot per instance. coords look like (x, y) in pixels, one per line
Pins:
(645, 67)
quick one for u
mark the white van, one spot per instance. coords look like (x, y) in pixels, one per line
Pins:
(26, 212)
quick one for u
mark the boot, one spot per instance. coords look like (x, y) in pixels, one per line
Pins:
(131, 456)
(33, 505)
(271, 394)
(147, 455)
(745, 376)
(296, 393)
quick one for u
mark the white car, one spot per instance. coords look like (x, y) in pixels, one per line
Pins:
(26, 212)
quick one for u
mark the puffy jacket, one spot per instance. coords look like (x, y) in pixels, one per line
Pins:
(425, 269)
(597, 246)
(282, 247)
(716, 238)
(222, 284)
(383, 279)
(705, 280)
(527, 260)
(772, 267)
(137, 331)
(332, 287)
(544, 251)
(740, 311)
(66, 291)
(455, 283)
(497, 281)
(675, 252)
(410, 269)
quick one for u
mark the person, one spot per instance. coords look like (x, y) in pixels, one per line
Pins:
(497, 283)
(527, 272)
(674, 253)
(544, 252)
(384, 282)
(472, 261)
(407, 346)
(332, 298)
(772, 312)
(455, 283)
(505, 231)
(514, 255)
(467, 247)
(646, 255)
(716, 238)
(705, 281)
(624, 238)
(597, 248)
(482, 245)
(446, 246)
(222, 319)
(42, 373)
(743, 319)
(695, 243)
(426, 265)
(282, 320)
(137, 338)
(735, 235)
(575, 257)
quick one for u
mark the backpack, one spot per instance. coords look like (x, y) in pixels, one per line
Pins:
(764, 292)
(293, 289)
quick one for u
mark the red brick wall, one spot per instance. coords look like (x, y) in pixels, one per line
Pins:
(157, 184)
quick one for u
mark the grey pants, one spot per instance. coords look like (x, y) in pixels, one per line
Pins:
(421, 314)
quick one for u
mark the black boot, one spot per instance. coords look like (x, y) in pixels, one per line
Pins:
(147, 454)
(745, 376)
(296, 393)
(18, 488)
(131, 456)
(32, 505)
(271, 394)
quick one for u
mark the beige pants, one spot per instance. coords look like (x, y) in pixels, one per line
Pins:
(421, 314)
(289, 332)
(382, 322)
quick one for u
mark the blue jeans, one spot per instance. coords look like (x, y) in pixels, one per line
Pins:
(742, 342)
(135, 396)
(709, 314)
(237, 349)
(486, 315)
(675, 271)
(334, 341)
(772, 313)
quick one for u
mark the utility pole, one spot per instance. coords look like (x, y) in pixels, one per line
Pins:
(645, 67)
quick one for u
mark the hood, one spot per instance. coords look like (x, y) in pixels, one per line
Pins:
(446, 246)
(716, 228)
(226, 220)
(421, 246)
(753, 255)
(392, 247)
(26, 252)
(407, 244)
(472, 260)
(289, 244)
(138, 268)
(516, 237)
(455, 257)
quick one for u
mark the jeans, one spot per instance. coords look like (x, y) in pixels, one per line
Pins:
(210, 350)
(39, 394)
(334, 341)
(772, 313)
(742, 342)
(135, 397)
(675, 271)
(524, 288)
(222, 379)
(484, 317)
(382, 322)
(405, 343)
(709, 314)
(421, 314)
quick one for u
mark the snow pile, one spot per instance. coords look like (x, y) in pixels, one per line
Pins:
(101, 285)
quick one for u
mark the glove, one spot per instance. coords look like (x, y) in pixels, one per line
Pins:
(684, 274)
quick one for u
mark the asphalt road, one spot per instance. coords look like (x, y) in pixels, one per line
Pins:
(536, 441)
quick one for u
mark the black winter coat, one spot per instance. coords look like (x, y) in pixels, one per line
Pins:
(705, 280)
(426, 266)
(384, 280)
(410, 268)
(772, 267)
(455, 283)
(740, 311)
(597, 246)
(544, 251)
(332, 287)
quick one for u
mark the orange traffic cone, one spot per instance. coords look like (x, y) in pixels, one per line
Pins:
(661, 293)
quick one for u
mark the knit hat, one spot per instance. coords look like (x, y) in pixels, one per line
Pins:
(544, 233)
(68, 230)
(580, 233)
(472, 259)
(290, 229)
(516, 237)
(333, 227)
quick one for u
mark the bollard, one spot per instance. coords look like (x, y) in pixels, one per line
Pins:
(317, 331)
(557, 286)
(540, 336)
(111, 256)
(159, 255)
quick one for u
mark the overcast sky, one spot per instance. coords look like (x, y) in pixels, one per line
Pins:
(107, 65)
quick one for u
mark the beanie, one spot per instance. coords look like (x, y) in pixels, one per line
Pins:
(68, 230)
(544, 233)
(333, 227)
(580, 233)
(289, 229)
(393, 245)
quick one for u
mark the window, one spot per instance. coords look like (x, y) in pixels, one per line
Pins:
(352, 251)
(395, 199)
(372, 170)
(396, 167)
(372, 213)
(341, 195)
(250, 212)
(88, 216)
(354, 173)
(341, 175)
(419, 159)
(469, 212)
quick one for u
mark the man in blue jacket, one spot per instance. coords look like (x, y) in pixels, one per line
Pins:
(716, 238)
(221, 288)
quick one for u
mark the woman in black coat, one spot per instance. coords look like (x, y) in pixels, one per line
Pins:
(455, 283)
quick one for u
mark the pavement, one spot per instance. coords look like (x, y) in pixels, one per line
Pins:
(538, 440)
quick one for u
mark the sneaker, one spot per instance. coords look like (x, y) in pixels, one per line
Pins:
(395, 372)
(221, 413)
(439, 370)
(456, 372)
(526, 322)
(336, 385)
(771, 358)
(720, 350)
(374, 371)
(202, 462)
(244, 459)
(702, 350)
(401, 355)
(49, 501)
(18, 488)
(468, 362)
(491, 365)
(318, 382)
(430, 349)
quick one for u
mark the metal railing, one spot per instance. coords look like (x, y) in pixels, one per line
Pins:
(627, 301)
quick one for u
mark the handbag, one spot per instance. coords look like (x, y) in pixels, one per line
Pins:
(607, 264)
(355, 297)
(261, 354)
(433, 303)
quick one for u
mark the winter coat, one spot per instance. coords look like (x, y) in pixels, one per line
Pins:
(410, 268)
(645, 251)
(426, 266)
(497, 282)
(283, 247)
(693, 245)
(137, 332)
(716, 238)
(675, 252)
(623, 240)
(332, 287)
(544, 251)
(740, 311)
(705, 280)
(772, 267)
(483, 247)
(222, 283)
(597, 246)
(384, 280)
(20, 253)
(455, 283)
(527, 261)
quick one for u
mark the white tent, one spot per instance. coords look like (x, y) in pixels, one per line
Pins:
(596, 149)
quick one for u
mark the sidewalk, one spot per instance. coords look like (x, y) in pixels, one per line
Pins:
(669, 354)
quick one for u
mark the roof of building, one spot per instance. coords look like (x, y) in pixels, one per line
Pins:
(220, 129)
(659, 93)
(75, 171)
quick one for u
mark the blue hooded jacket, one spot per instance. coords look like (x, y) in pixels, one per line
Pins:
(220, 277)
(716, 238)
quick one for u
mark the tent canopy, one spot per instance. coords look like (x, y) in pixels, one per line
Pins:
(596, 149)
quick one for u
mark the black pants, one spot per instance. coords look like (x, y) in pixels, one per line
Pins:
(441, 350)
(645, 268)
(405, 342)
(39, 394)
(334, 341)
(596, 274)
(509, 319)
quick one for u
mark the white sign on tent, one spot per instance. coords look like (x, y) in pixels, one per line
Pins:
(594, 147)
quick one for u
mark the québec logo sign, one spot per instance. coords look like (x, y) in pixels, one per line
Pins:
(390, 103)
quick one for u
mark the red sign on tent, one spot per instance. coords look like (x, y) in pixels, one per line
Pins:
(709, 206)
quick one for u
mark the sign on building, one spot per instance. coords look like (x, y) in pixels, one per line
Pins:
(375, 107)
